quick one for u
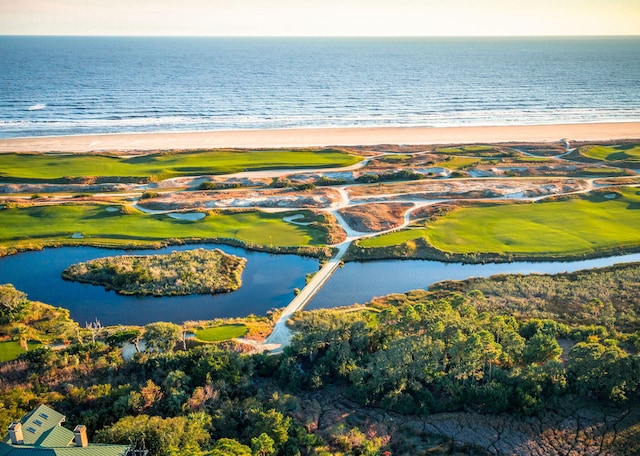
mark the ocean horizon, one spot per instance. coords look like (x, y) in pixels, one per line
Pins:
(60, 86)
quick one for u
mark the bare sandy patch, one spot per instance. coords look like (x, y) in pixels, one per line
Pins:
(374, 217)
(321, 137)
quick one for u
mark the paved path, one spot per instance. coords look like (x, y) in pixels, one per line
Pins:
(281, 335)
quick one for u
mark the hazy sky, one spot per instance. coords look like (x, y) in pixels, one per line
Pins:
(320, 17)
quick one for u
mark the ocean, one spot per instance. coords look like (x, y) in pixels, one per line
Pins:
(53, 86)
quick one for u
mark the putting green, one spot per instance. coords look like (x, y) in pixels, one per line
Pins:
(222, 332)
(10, 350)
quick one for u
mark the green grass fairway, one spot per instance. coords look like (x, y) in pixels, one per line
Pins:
(622, 152)
(465, 149)
(574, 226)
(96, 223)
(165, 165)
(395, 238)
(11, 350)
(458, 162)
(222, 332)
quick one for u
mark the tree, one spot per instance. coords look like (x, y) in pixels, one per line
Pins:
(229, 447)
(540, 348)
(13, 304)
(94, 328)
(604, 371)
(263, 445)
(126, 336)
(161, 436)
(21, 334)
(162, 336)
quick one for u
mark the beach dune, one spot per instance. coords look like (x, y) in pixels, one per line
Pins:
(321, 137)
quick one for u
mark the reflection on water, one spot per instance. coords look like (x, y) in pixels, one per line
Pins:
(267, 282)
(359, 282)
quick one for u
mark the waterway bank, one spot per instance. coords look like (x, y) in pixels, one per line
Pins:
(268, 282)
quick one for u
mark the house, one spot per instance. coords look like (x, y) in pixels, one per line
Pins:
(40, 433)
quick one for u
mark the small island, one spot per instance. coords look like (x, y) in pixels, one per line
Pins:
(179, 273)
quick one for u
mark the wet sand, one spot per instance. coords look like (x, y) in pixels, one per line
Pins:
(321, 137)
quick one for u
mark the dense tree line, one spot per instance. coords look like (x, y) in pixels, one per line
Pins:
(450, 349)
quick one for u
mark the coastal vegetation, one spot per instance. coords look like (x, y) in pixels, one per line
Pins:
(179, 273)
(497, 356)
(165, 165)
(538, 364)
(26, 325)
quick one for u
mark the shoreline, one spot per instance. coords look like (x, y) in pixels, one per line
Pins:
(323, 137)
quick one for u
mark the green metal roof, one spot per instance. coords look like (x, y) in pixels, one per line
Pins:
(91, 450)
(37, 424)
(56, 437)
(44, 436)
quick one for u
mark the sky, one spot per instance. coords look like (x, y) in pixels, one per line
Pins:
(320, 17)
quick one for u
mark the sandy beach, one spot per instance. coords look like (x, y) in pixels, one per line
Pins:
(323, 137)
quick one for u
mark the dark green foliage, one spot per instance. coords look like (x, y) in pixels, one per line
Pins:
(217, 185)
(401, 175)
(426, 353)
(324, 180)
(179, 273)
(13, 304)
(149, 195)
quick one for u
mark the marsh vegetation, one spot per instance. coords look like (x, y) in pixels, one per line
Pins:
(179, 273)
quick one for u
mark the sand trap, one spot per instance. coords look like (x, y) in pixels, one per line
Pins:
(293, 218)
(77, 236)
(611, 196)
(112, 209)
(191, 216)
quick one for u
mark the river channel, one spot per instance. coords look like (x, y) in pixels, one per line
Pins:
(267, 282)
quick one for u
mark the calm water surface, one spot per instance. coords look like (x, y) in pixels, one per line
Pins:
(268, 282)
(359, 282)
